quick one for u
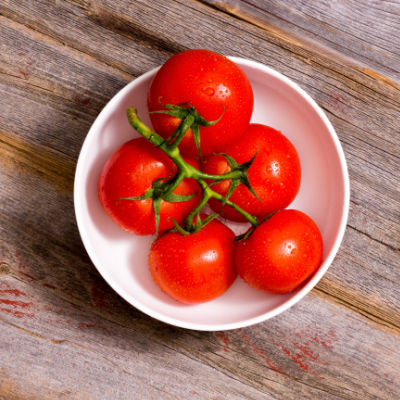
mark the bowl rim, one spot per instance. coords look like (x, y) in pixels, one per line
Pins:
(79, 180)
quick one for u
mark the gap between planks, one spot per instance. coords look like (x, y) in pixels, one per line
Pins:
(302, 42)
(285, 37)
(22, 27)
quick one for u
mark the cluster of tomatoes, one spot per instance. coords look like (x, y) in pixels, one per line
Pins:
(204, 150)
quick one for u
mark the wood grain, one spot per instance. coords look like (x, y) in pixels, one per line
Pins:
(363, 31)
(312, 354)
(66, 333)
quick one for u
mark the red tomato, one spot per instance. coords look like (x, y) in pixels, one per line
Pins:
(274, 175)
(211, 83)
(281, 253)
(130, 172)
(194, 268)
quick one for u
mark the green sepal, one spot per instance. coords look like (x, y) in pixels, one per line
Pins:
(213, 183)
(145, 196)
(176, 106)
(234, 184)
(178, 198)
(180, 131)
(244, 177)
(231, 161)
(178, 228)
(245, 181)
(208, 219)
(173, 110)
(198, 224)
(157, 210)
(268, 216)
(196, 137)
(173, 113)
(245, 235)
(246, 165)
(203, 122)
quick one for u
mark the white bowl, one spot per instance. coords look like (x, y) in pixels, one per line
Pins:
(121, 258)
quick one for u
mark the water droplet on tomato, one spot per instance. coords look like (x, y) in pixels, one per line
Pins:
(275, 168)
(209, 91)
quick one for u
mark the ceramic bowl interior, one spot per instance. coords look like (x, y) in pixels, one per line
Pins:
(121, 258)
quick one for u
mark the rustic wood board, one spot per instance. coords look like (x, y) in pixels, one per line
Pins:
(365, 32)
(65, 333)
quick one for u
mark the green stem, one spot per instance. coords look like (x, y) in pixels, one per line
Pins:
(173, 151)
(203, 202)
(229, 175)
(143, 129)
(159, 141)
(185, 125)
(187, 170)
(177, 180)
(253, 220)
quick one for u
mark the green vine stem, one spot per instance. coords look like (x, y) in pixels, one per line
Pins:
(187, 171)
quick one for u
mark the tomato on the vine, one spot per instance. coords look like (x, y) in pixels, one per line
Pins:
(281, 253)
(211, 83)
(197, 267)
(274, 175)
(130, 172)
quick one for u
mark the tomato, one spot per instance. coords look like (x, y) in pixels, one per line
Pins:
(281, 253)
(214, 85)
(194, 268)
(130, 172)
(274, 175)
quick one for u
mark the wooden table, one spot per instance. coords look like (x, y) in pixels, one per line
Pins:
(64, 333)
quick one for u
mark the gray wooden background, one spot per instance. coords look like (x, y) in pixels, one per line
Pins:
(64, 333)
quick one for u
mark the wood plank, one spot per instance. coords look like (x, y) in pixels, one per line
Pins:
(52, 349)
(95, 32)
(363, 31)
(37, 73)
(68, 332)
(318, 356)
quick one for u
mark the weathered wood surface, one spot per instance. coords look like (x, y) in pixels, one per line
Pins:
(64, 332)
(365, 31)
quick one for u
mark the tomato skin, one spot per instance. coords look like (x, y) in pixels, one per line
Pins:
(130, 172)
(214, 85)
(274, 175)
(281, 253)
(195, 268)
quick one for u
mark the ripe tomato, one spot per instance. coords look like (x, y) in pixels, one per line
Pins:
(211, 83)
(130, 172)
(194, 268)
(281, 253)
(274, 175)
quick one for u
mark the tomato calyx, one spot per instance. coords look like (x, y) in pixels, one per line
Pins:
(190, 119)
(199, 224)
(243, 178)
(193, 223)
(247, 234)
(162, 190)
